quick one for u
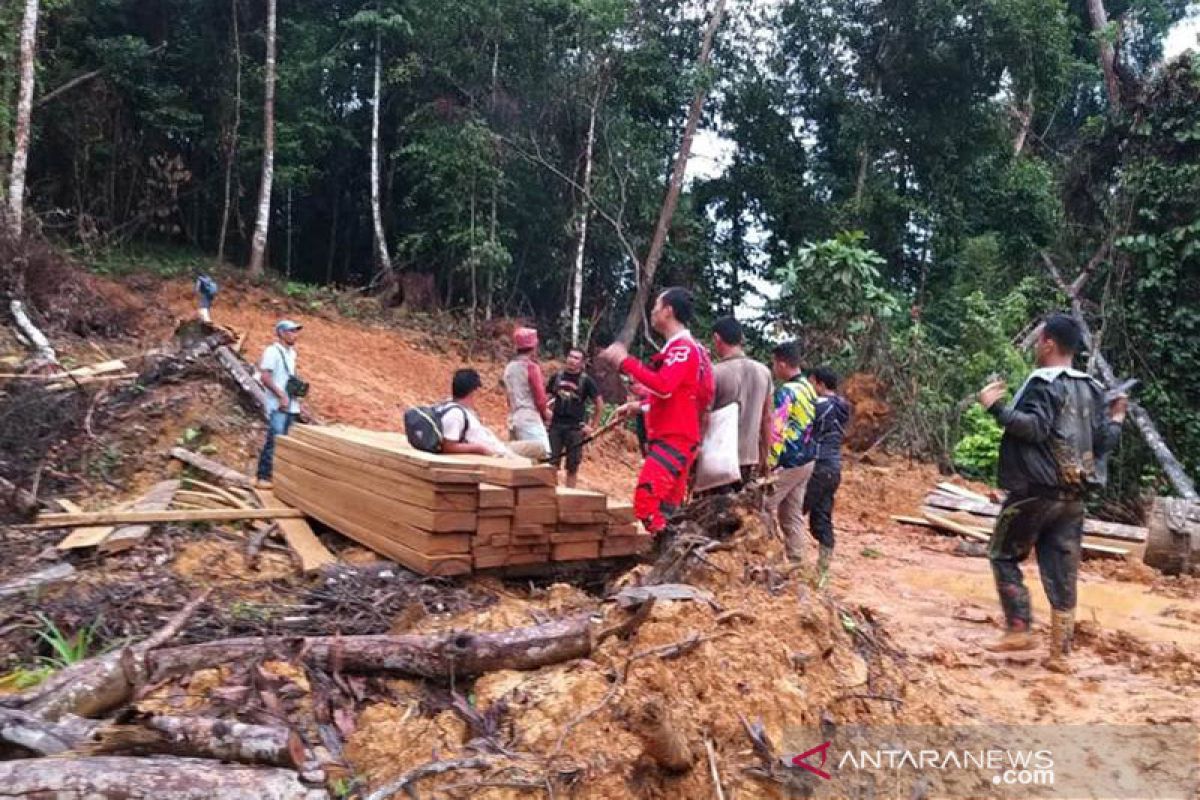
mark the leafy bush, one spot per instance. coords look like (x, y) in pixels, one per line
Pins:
(978, 451)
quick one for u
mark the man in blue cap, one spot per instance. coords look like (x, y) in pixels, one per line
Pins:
(277, 369)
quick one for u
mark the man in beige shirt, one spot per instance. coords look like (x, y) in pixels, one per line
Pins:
(742, 380)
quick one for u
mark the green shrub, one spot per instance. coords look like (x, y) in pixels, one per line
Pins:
(978, 451)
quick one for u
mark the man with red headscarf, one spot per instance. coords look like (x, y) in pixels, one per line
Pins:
(679, 384)
(528, 407)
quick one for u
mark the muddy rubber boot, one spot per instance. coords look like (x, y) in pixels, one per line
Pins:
(1011, 642)
(824, 556)
(1062, 632)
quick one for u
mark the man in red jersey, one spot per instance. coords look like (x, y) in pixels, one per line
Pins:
(679, 383)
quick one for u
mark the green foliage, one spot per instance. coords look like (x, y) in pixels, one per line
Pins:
(978, 451)
(66, 649)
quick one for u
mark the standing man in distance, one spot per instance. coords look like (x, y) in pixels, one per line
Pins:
(528, 409)
(1058, 433)
(679, 386)
(830, 420)
(742, 380)
(276, 368)
(571, 390)
(792, 449)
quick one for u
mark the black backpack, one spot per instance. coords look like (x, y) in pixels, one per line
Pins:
(423, 426)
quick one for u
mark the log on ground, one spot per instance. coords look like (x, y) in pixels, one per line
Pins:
(204, 737)
(149, 778)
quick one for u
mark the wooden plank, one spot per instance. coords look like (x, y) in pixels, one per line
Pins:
(489, 526)
(359, 508)
(491, 559)
(142, 516)
(384, 456)
(962, 491)
(574, 537)
(537, 495)
(583, 517)
(626, 546)
(1107, 530)
(126, 536)
(581, 500)
(574, 551)
(527, 558)
(321, 488)
(535, 515)
(86, 537)
(525, 533)
(1089, 544)
(626, 529)
(418, 562)
(493, 496)
(386, 483)
(296, 532)
(494, 513)
(620, 511)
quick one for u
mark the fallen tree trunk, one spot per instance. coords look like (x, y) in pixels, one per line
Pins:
(203, 737)
(20, 500)
(243, 377)
(99, 684)
(32, 334)
(214, 468)
(42, 737)
(440, 656)
(1171, 466)
(149, 779)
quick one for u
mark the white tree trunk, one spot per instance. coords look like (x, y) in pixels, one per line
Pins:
(381, 248)
(258, 244)
(1108, 61)
(231, 147)
(585, 211)
(16, 183)
(645, 280)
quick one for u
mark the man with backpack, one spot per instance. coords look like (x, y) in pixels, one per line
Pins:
(792, 449)
(454, 426)
(831, 418)
(679, 385)
(206, 290)
(277, 371)
(571, 390)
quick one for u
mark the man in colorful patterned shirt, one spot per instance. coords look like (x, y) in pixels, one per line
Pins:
(793, 452)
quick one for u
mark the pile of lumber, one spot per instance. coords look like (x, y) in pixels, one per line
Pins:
(104, 372)
(958, 510)
(445, 514)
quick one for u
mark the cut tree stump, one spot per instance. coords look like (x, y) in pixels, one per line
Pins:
(149, 779)
(662, 740)
(440, 656)
(1173, 545)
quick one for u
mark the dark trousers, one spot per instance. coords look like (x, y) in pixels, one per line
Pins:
(279, 424)
(566, 440)
(818, 502)
(1052, 526)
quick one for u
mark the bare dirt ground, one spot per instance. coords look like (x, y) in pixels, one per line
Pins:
(895, 637)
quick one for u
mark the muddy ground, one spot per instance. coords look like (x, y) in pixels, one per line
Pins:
(895, 637)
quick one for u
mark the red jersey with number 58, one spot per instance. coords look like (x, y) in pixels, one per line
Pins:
(680, 384)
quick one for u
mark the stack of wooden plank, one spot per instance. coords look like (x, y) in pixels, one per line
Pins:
(446, 514)
(959, 510)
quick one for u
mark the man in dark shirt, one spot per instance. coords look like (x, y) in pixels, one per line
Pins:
(1057, 437)
(830, 420)
(570, 390)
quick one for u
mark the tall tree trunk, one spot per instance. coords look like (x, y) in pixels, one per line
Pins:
(16, 177)
(333, 229)
(258, 244)
(492, 223)
(1108, 60)
(287, 262)
(381, 248)
(231, 145)
(1024, 116)
(674, 187)
(585, 211)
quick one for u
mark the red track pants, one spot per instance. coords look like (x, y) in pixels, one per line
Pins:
(662, 483)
